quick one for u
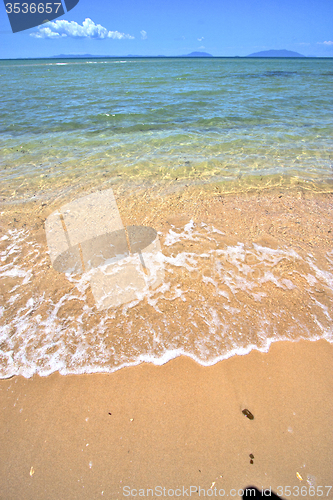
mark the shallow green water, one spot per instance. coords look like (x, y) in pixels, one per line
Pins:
(209, 289)
(70, 122)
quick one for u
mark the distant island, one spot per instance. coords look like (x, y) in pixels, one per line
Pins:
(79, 56)
(276, 53)
(198, 54)
(265, 53)
(90, 56)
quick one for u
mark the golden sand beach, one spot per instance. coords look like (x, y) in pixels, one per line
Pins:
(174, 426)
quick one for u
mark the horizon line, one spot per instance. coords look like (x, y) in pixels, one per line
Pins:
(78, 56)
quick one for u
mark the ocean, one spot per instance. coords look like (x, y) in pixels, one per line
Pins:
(226, 164)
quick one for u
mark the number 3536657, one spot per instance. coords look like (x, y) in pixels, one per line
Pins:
(304, 491)
(32, 8)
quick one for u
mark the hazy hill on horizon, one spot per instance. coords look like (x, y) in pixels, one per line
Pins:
(197, 54)
(276, 53)
(86, 56)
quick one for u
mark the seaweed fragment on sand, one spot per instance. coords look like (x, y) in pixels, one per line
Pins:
(248, 414)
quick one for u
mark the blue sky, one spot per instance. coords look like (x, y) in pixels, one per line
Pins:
(176, 27)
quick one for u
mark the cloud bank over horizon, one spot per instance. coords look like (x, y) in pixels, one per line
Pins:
(61, 29)
(223, 29)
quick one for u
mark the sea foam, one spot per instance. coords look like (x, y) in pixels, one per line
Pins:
(216, 300)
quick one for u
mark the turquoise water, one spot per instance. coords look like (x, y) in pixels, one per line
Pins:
(68, 122)
(224, 275)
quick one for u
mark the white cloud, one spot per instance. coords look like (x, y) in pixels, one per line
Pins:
(326, 43)
(200, 39)
(60, 29)
(143, 34)
(47, 33)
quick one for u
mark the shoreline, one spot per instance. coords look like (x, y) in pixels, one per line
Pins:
(180, 424)
(184, 214)
(166, 183)
(165, 359)
(239, 271)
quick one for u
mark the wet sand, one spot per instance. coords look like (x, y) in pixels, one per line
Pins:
(180, 424)
(231, 284)
(174, 426)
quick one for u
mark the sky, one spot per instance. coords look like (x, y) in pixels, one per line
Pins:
(177, 27)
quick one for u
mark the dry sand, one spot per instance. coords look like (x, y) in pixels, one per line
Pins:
(181, 424)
